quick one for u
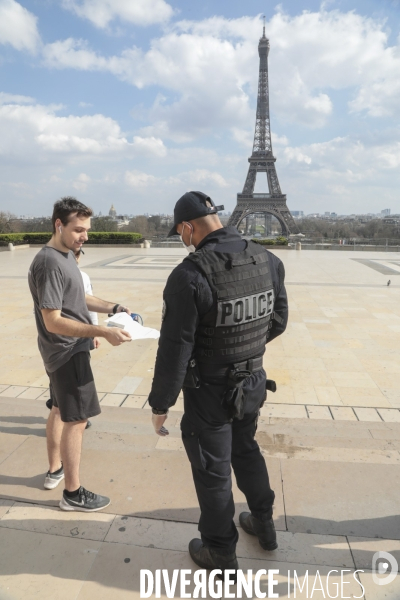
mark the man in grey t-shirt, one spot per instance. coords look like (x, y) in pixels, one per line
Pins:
(56, 283)
(64, 333)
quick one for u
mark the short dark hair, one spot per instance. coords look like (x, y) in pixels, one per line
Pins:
(67, 206)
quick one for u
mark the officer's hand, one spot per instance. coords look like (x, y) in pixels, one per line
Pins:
(116, 336)
(158, 422)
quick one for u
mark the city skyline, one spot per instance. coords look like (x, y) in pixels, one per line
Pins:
(134, 104)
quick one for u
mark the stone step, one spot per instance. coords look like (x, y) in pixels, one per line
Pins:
(279, 410)
(155, 533)
(149, 477)
(131, 434)
(131, 429)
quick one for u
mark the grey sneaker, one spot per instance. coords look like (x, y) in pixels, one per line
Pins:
(53, 479)
(84, 501)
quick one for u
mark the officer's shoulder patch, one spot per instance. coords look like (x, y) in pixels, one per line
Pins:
(164, 310)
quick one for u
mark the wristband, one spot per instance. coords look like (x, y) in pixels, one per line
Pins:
(115, 308)
(159, 411)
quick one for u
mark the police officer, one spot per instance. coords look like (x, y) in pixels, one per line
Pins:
(222, 304)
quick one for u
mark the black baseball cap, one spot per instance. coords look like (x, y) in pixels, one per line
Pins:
(193, 205)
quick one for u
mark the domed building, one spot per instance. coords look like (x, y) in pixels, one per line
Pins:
(112, 212)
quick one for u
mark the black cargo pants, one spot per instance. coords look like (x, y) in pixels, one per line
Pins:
(213, 442)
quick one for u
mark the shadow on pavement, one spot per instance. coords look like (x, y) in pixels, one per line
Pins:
(25, 420)
(36, 482)
(117, 565)
(23, 431)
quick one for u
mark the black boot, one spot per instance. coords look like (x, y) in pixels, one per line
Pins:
(264, 530)
(208, 558)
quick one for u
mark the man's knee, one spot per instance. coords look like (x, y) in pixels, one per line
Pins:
(75, 424)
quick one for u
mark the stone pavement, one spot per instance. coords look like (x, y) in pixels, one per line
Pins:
(341, 347)
(330, 436)
(336, 488)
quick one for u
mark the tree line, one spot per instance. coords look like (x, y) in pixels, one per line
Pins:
(147, 226)
(374, 229)
(155, 226)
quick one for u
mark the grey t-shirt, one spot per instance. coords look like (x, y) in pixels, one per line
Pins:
(56, 282)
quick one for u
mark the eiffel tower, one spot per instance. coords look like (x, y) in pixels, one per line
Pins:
(263, 161)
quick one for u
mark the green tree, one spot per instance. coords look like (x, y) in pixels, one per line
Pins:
(36, 225)
(5, 225)
(156, 221)
(141, 224)
(104, 224)
(374, 229)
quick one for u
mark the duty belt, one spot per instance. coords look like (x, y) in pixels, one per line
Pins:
(252, 365)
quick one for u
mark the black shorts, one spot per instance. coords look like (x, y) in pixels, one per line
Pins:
(73, 391)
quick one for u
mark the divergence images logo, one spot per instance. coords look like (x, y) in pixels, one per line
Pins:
(384, 563)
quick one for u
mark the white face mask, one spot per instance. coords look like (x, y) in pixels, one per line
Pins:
(190, 248)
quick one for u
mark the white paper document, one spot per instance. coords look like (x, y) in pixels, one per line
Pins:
(136, 331)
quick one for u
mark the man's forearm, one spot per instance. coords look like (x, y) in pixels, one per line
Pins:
(97, 305)
(70, 328)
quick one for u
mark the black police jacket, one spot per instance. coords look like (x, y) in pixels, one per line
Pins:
(187, 298)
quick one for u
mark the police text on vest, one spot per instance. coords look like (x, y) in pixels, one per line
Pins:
(246, 309)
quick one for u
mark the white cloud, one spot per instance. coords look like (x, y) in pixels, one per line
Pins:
(81, 182)
(209, 70)
(205, 79)
(279, 140)
(76, 54)
(149, 145)
(336, 50)
(297, 155)
(348, 157)
(38, 131)
(15, 99)
(139, 179)
(342, 174)
(18, 27)
(162, 130)
(380, 98)
(202, 177)
(203, 71)
(102, 12)
(244, 137)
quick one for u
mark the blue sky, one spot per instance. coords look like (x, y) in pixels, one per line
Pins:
(134, 102)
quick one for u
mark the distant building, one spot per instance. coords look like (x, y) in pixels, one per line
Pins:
(297, 214)
(329, 215)
(385, 212)
(112, 212)
(392, 220)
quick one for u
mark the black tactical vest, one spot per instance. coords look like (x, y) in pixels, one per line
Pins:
(235, 329)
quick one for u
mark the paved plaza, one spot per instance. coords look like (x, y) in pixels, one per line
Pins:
(330, 435)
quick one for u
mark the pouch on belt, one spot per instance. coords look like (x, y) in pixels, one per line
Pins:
(233, 398)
